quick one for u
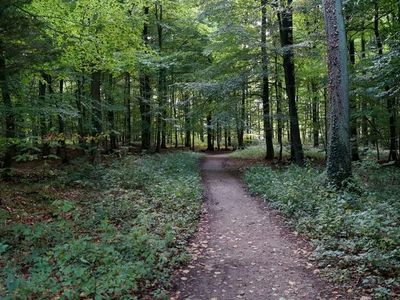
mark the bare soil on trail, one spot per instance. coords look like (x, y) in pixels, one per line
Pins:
(243, 250)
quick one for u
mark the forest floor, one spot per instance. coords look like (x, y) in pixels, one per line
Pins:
(243, 249)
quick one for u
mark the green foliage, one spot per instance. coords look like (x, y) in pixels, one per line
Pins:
(357, 230)
(122, 242)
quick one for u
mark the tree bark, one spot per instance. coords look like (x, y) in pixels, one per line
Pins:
(315, 113)
(286, 33)
(96, 103)
(339, 150)
(110, 114)
(353, 109)
(265, 84)
(145, 94)
(128, 116)
(210, 144)
(62, 149)
(9, 116)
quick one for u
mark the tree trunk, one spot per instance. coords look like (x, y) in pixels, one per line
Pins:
(286, 33)
(210, 144)
(241, 120)
(9, 117)
(46, 80)
(128, 116)
(110, 114)
(364, 103)
(186, 109)
(62, 149)
(162, 92)
(339, 150)
(79, 106)
(96, 103)
(96, 115)
(145, 94)
(315, 113)
(265, 84)
(353, 109)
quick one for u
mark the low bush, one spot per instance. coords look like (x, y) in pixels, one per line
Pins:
(356, 231)
(121, 242)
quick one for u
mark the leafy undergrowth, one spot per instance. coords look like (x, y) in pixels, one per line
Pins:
(258, 151)
(99, 232)
(356, 232)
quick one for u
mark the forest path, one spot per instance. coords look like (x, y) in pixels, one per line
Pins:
(242, 249)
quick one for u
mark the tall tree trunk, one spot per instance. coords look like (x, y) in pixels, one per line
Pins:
(173, 96)
(279, 116)
(9, 116)
(97, 127)
(162, 92)
(353, 108)
(315, 113)
(145, 94)
(96, 103)
(210, 144)
(45, 80)
(339, 150)
(241, 120)
(186, 109)
(110, 114)
(286, 33)
(79, 106)
(265, 84)
(128, 116)
(364, 103)
(62, 149)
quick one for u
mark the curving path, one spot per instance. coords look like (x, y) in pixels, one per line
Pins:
(243, 250)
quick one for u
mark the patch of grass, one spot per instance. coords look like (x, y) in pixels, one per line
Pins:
(121, 239)
(356, 231)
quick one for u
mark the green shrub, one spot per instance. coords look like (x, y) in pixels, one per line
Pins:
(357, 229)
(121, 243)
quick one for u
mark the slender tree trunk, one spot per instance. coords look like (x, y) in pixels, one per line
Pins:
(175, 117)
(78, 101)
(110, 114)
(62, 149)
(128, 116)
(162, 95)
(241, 120)
(353, 109)
(186, 108)
(226, 138)
(210, 144)
(96, 103)
(46, 80)
(315, 113)
(9, 116)
(364, 103)
(339, 150)
(145, 94)
(97, 127)
(265, 84)
(286, 32)
(279, 116)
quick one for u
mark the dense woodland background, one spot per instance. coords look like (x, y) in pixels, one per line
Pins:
(98, 75)
(86, 83)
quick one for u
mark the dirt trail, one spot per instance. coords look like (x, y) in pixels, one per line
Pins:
(242, 251)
